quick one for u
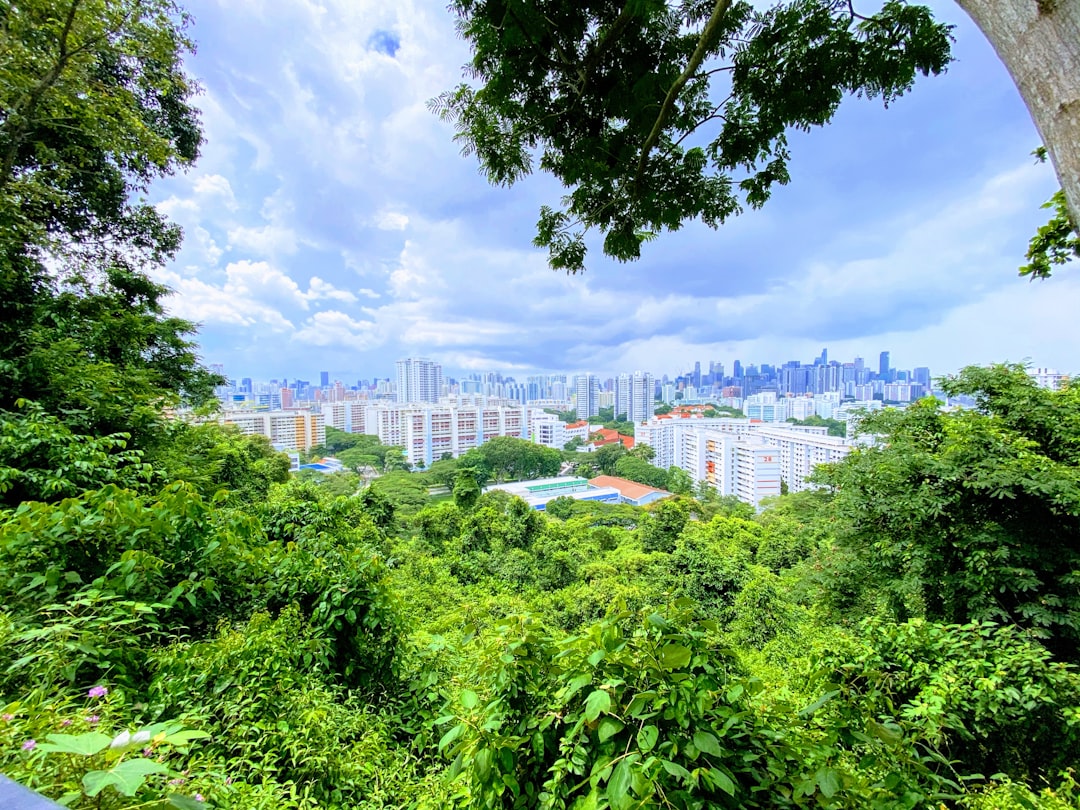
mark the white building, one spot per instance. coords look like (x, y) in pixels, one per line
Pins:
(802, 449)
(634, 396)
(347, 416)
(287, 430)
(1047, 378)
(427, 432)
(586, 395)
(418, 380)
(741, 457)
(765, 407)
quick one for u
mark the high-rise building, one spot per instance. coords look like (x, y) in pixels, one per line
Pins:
(922, 375)
(738, 370)
(587, 395)
(641, 397)
(418, 380)
(883, 366)
(324, 379)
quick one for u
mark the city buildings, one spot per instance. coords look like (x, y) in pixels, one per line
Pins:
(418, 380)
(287, 430)
(586, 395)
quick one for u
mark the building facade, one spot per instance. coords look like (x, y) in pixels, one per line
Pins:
(418, 380)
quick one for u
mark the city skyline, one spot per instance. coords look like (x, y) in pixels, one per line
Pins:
(332, 223)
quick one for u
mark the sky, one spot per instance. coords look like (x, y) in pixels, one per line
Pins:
(332, 224)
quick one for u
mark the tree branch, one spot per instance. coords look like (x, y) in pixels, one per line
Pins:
(705, 41)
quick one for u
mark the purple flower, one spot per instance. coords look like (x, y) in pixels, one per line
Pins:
(7, 718)
(228, 780)
(198, 797)
(148, 752)
(93, 719)
(29, 745)
(177, 781)
(97, 691)
(65, 722)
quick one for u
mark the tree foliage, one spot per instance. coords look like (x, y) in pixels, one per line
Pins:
(973, 515)
(652, 113)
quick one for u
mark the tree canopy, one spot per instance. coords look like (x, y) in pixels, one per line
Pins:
(653, 113)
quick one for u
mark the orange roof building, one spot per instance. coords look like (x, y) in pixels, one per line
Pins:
(630, 492)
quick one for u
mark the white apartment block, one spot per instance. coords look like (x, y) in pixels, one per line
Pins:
(347, 416)
(801, 450)
(1047, 378)
(550, 431)
(419, 380)
(428, 431)
(741, 457)
(586, 395)
(634, 396)
(287, 430)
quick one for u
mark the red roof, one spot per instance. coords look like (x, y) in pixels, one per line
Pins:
(628, 489)
(609, 436)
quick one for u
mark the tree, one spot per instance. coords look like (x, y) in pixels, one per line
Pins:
(466, 489)
(971, 515)
(606, 95)
(608, 456)
(663, 524)
(95, 105)
(635, 469)
(680, 482)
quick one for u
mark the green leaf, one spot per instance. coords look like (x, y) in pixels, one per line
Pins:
(85, 745)
(127, 777)
(451, 735)
(469, 699)
(596, 704)
(674, 656)
(706, 742)
(618, 786)
(723, 781)
(676, 770)
(646, 738)
(608, 728)
(828, 781)
(185, 802)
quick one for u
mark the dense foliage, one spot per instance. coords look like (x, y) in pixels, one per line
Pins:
(181, 625)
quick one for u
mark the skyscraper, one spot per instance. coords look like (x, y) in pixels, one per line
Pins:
(324, 379)
(883, 366)
(418, 380)
(642, 396)
(587, 395)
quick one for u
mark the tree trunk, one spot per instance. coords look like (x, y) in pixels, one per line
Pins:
(1039, 42)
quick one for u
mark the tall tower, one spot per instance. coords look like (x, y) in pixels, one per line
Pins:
(883, 366)
(640, 405)
(324, 379)
(587, 393)
(418, 380)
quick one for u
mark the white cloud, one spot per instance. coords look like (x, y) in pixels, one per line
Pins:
(391, 221)
(214, 185)
(338, 330)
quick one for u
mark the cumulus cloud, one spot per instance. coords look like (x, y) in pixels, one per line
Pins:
(323, 170)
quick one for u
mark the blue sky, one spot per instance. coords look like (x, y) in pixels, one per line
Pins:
(332, 224)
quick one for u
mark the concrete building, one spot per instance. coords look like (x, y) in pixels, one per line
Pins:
(543, 490)
(418, 380)
(741, 457)
(630, 492)
(1048, 378)
(801, 449)
(287, 430)
(586, 395)
(427, 432)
